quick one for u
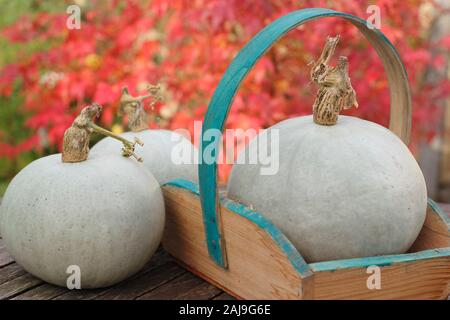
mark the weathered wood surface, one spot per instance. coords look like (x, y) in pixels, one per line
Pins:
(161, 278)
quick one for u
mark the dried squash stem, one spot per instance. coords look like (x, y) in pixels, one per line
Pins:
(133, 107)
(77, 137)
(335, 89)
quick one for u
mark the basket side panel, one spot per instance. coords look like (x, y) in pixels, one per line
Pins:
(435, 232)
(422, 279)
(257, 267)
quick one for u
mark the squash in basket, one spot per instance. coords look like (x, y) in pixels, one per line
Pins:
(344, 188)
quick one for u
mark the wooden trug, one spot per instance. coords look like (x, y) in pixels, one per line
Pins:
(238, 250)
(263, 264)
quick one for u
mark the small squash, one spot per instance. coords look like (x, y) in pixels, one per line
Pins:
(161, 148)
(344, 189)
(102, 213)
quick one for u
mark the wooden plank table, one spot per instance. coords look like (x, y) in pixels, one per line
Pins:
(161, 278)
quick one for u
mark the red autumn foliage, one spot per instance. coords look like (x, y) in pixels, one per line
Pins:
(187, 45)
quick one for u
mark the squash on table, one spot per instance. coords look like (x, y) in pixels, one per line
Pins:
(164, 151)
(103, 213)
(344, 189)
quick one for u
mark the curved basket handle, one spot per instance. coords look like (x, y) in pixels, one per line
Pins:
(400, 121)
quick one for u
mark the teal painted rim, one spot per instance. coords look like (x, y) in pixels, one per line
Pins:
(229, 84)
(436, 208)
(380, 261)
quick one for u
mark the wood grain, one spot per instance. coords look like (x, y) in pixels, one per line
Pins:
(185, 287)
(160, 258)
(425, 279)
(14, 287)
(45, 291)
(10, 272)
(140, 285)
(223, 296)
(5, 258)
(434, 234)
(161, 271)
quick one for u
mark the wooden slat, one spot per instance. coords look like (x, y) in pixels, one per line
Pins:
(79, 294)
(223, 296)
(204, 291)
(5, 258)
(16, 286)
(160, 258)
(45, 291)
(144, 283)
(186, 287)
(247, 245)
(10, 272)
(435, 233)
(426, 279)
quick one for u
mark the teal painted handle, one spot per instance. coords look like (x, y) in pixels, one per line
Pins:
(225, 92)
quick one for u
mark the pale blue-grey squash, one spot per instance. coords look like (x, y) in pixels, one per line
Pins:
(343, 189)
(166, 154)
(102, 213)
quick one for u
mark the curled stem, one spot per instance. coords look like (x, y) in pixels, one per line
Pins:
(335, 89)
(133, 107)
(128, 146)
(77, 137)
